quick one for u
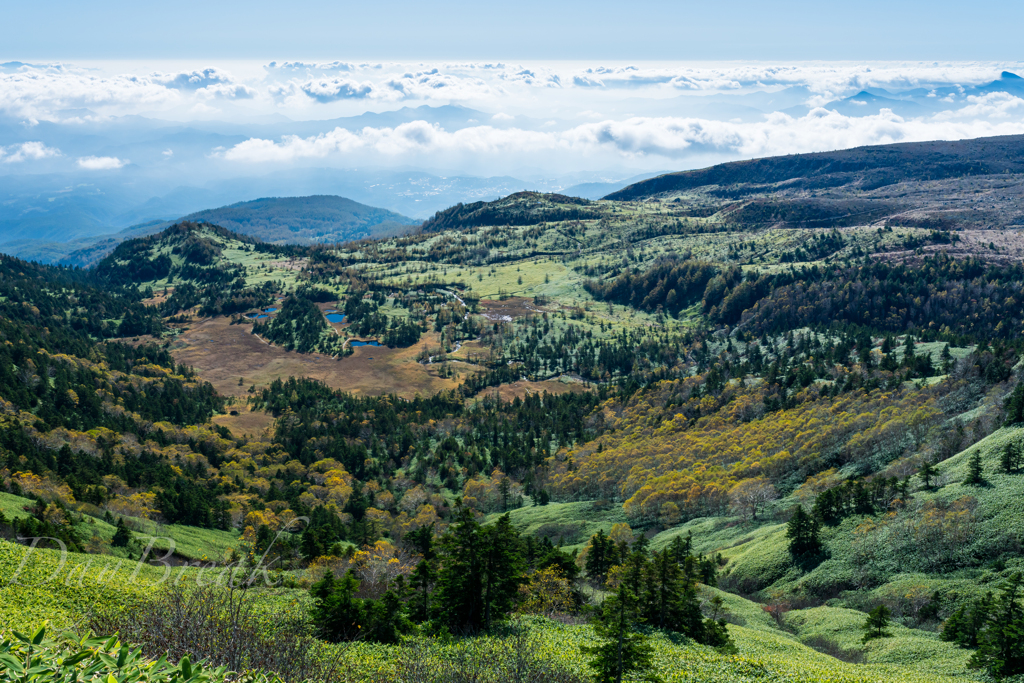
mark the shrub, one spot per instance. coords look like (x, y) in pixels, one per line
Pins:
(224, 626)
(834, 649)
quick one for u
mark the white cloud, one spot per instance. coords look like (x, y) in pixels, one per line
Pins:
(333, 89)
(502, 116)
(668, 137)
(208, 83)
(587, 82)
(101, 163)
(26, 151)
(42, 94)
(432, 84)
(193, 80)
(293, 67)
(168, 152)
(996, 105)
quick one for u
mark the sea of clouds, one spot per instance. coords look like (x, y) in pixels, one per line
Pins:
(643, 115)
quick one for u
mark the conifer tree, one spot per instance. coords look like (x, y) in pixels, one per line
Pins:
(876, 623)
(602, 556)
(964, 626)
(975, 473)
(624, 650)
(122, 537)
(1001, 643)
(1010, 458)
(502, 568)
(1014, 405)
(457, 597)
(420, 583)
(481, 571)
(927, 473)
(386, 618)
(337, 613)
(802, 532)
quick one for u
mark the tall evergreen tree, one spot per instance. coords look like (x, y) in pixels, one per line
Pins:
(624, 650)
(420, 584)
(975, 473)
(927, 473)
(1014, 405)
(481, 571)
(603, 555)
(802, 532)
(1001, 642)
(458, 595)
(122, 536)
(1010, 458)
(671, 599)
(502, 567)
(337, 613)
(965, 625)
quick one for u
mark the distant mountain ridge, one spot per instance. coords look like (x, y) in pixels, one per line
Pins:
(277, 220)
(867, 167)
(305, 220)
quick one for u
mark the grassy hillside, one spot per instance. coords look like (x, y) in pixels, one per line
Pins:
(62, 593)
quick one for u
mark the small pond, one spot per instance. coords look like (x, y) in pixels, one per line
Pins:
(365, 343)
(270, 310)
(336, 317)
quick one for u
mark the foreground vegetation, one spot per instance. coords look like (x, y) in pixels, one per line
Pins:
(768, 451)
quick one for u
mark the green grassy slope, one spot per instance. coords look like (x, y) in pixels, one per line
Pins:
(62, 594)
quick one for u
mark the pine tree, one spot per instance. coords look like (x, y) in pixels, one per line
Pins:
(420, 583)
(386, 618)
(337, 614)
(876, 623)
(965, 625)
(802, 532)
(1014, 405)
(1001, 643)
(624, 650)
(975, 473)
(481, 571)
(671, 599)
(457, 597)
(908, 352)
(927, 473)
(122, 537)
(603, 555)
(946, 358)
(1009, 459)
(502, 567)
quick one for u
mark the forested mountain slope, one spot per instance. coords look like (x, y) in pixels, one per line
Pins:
(306, 220)
(663, 396)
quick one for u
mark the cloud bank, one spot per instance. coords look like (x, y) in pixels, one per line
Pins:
(44, 91)
(670, 138)
(492, 117)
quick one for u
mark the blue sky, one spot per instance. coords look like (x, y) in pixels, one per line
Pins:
(528, 29)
